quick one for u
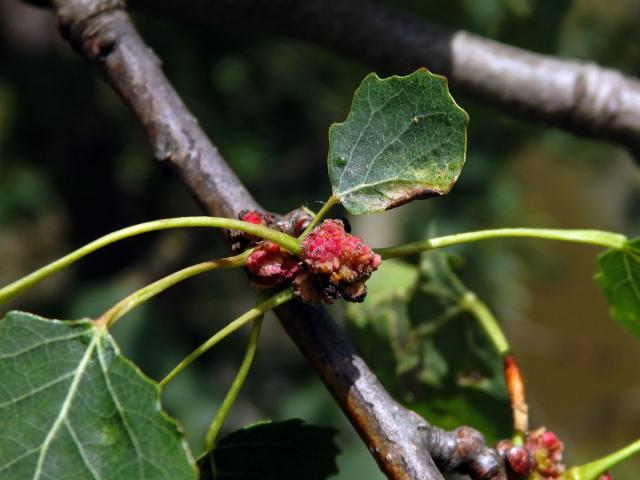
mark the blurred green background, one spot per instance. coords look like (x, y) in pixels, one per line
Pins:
(74, 165)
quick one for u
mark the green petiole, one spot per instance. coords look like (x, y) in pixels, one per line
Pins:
(234, 390)
(592, 470)
(329, 204)
(111, 316)
(284, 240)
(488, 322)
(278, 299)
(467, 301)
(592, 237)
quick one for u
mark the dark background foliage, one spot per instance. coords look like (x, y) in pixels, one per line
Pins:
(75, 165)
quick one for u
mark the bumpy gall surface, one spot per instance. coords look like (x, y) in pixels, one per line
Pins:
(240, 241)
(331, 251)
(540, 458)
(338, 264)
(269, 265)
(333, 263)
(546, 449)
(253, 216)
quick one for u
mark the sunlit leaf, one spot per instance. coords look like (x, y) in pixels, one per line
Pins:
(619, 279)
(72, 407)
(405, 138)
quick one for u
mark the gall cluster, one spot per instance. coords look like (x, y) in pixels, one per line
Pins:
(333, 263)
(540, 458)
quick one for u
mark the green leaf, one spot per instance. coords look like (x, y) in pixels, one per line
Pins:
(426, 350)
(288, 450)
(72, 407)
(439, 279)
(394, 280)
(385, 315)
(405, 138)
(619, 279)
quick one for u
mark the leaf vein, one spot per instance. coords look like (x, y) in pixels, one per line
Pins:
(627, 269)
(392, 142)
(18, 459)
(31, 393)
(123, 418)
(81, 450)
(373, 112)
(41, 344)
(82, 366)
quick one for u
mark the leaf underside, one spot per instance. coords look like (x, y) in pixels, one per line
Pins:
(619, 279)
(405, 138)
(288, 450)
(71, 407)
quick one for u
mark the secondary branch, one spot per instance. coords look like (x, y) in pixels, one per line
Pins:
(581, 97)
(102, 32)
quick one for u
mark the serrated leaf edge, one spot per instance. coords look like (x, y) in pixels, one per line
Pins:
(432, 191)
(100, 333)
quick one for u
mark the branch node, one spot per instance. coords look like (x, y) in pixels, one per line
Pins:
(86, 28)
(463, 450)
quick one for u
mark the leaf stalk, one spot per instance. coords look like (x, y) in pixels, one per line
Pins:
(329, 204)
(111, 316)
(592, 237)
(488, 322)
(234, 390)
(272, 302)
(17, 287)
(592, 470)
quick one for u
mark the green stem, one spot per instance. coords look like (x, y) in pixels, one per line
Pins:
(593, 237)
(277, 299)
(232, 394)
(426, 330)
(111, 316)
(284, 240)
(512, 375)
(488, 322)
(592, 470)
(331, 201)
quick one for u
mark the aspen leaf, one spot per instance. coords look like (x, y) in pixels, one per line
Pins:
(71, 407)
(405, 138)
(619, 279)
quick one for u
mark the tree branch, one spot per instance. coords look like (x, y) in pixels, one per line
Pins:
(102, 32)
(394, 435)
(580, 97)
